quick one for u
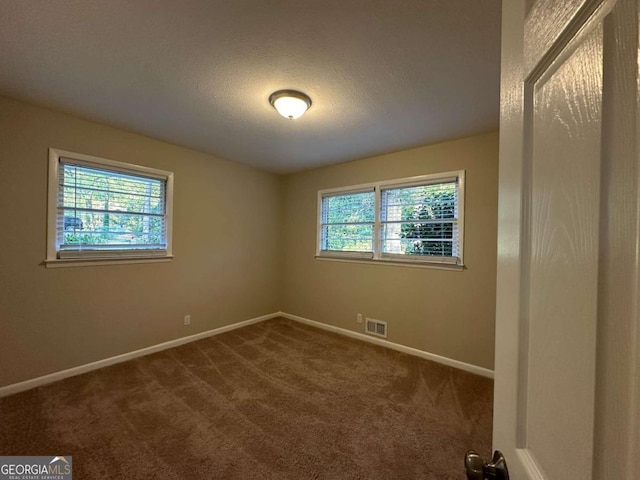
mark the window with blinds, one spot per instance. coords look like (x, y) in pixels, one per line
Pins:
(347, 223)
(421, 221)
(106, 209)
(418, 219)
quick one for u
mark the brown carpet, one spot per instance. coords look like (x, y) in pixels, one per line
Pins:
(275, 400)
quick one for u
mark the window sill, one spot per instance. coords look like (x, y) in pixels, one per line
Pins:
(88, 262)
(397, 263)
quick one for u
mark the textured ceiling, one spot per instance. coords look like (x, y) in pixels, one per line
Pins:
(383, 75)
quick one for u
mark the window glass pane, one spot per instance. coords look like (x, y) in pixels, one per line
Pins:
(347, 222)
(418, 239)
(349, 208)
(111, 210)
(112, 229)
(420, 220)
(425, 202)
(348, 238)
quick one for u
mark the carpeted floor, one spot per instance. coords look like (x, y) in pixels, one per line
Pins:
(275, 400)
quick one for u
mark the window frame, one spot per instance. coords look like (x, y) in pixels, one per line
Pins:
(122, 256)
(377, 256)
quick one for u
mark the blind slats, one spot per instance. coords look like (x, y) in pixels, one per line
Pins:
(347, 221)
(420, 220)
(105, 211)
(78, 187)
(76, 210)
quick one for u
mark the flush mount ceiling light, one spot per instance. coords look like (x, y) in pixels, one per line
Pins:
(290, 103)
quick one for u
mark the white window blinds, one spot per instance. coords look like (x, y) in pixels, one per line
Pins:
(421, 220)
(347, 222)
(109, 212)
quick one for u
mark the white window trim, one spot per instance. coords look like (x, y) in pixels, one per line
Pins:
(109, 258)
(377, 257)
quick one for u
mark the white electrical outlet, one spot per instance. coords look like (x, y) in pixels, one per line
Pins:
(187, 319)
(359, 318)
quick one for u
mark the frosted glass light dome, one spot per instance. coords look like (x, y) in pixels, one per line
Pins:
(290, 103)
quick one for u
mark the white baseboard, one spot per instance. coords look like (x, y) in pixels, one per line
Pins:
(485, 372)
(54, 377)
(71, 372)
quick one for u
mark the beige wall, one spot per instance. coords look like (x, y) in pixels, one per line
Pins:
(448, 313)
(224, 269)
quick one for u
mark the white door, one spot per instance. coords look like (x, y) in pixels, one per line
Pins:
(567, 333)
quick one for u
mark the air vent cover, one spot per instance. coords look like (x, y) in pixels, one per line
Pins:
(376, 327)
